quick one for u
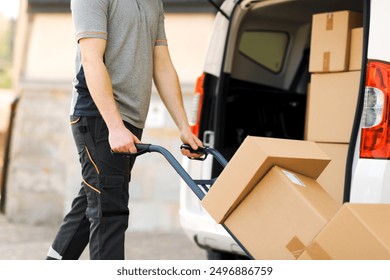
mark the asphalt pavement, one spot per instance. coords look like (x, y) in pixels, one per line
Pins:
(28, 242)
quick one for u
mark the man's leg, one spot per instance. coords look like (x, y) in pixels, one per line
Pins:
(73, 235)
(102, 205)
(110, 221)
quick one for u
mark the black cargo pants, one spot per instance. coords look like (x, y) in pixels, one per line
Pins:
(99, 214)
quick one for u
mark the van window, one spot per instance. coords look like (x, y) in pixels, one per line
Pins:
(266, 48)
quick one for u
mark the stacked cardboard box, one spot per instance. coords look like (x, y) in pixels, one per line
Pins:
(335, 61)
(331, 41)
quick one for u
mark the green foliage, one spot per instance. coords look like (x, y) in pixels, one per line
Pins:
(6, 36)
(6, 78)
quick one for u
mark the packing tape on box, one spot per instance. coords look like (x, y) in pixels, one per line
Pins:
(326, 62)
(295, 247)
(326, 55)
(329, 22)
(316, 252)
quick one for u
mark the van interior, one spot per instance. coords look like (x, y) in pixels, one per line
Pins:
(265, 76)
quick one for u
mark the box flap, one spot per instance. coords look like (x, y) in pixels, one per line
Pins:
(252, 161)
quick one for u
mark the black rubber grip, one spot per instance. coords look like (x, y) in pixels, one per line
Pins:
(200, 150)
(141, 149)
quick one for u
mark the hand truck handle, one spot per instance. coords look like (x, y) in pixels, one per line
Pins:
(149, 148)
(141, 149)
(206, 151)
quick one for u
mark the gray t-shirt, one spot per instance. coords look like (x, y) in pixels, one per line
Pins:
(132, 29)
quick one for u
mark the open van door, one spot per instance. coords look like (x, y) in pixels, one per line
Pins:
(368, 167)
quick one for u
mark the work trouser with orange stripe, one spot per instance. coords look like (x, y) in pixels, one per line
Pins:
(99, 214)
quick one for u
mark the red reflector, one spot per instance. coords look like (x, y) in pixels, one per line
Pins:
(375, 138)
(197, 105)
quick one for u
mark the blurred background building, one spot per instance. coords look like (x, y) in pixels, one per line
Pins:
(39, 164)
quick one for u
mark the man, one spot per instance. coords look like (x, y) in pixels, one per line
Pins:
(121, 48)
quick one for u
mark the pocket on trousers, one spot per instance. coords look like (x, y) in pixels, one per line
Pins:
(74, 120)
(114, 194)
(78, 137)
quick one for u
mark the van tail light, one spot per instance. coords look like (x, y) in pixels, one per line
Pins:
(375, 138)
(196, 108)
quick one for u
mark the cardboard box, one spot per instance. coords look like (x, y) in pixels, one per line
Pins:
(356, 53)
(356, 232)
(282, 214)
(253, 159)
(331, 106)
(330, 40)
(332, 178)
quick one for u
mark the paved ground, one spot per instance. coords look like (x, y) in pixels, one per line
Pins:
(24, 242)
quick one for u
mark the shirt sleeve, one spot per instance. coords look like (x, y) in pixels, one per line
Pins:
(161, 36)
(90, 18)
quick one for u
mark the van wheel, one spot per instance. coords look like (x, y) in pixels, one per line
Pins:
(219, 255)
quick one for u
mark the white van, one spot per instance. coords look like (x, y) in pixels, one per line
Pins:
(263, 93)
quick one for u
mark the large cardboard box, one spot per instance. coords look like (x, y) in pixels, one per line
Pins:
(253, 159)
(331, 106)
(332, 178)
(356, 53)
(281, 215)
(356, 232)
(330, 40)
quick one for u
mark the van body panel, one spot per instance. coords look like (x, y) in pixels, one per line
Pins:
(371, 182)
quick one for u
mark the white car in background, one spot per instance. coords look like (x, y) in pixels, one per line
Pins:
(259, 94)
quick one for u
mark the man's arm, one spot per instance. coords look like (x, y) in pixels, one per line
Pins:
(168, 86)
(100, 87)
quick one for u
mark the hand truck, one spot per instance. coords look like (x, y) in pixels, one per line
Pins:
(199, 187)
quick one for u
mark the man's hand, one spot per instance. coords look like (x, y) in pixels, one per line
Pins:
(187, 137)
(122, 140)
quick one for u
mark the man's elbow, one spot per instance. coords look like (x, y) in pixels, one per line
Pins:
(92, 62)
